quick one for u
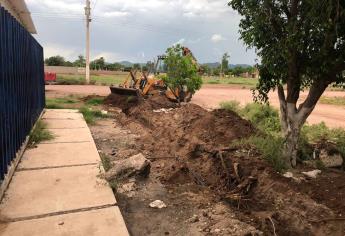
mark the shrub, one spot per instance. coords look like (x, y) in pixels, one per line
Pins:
(264, 117)
(271, 149)
(231, 106)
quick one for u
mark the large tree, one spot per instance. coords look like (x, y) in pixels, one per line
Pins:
(301, 44)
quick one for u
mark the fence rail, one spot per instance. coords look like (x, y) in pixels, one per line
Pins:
(21, 87)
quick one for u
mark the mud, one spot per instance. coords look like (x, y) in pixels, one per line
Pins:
(189, 148)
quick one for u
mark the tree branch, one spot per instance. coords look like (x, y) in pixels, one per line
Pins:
(283, 107)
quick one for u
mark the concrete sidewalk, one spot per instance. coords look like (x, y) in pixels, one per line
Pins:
(56, 189)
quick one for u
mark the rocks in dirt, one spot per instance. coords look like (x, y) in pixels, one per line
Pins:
(312, 174)
(104, 112)
(163, 110)
(127, 188)
(329, 161)
(136, 165)
(194, 219)
(158, 204)
(290, 175)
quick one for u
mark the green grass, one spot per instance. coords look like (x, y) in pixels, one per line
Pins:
(247, 82)
(338, 101)
(106, 162)
(95, 101)
(60, 103)
(91, 115)
(269, 142)
(39, 134)
(105, 80)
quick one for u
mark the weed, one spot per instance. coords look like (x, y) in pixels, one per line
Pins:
(91, 115)
(39, 134)
(95, 101)
(271, 149)
(231, 106)
(59, 103)
(106, 163)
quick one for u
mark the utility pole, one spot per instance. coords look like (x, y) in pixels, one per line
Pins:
(88, 20)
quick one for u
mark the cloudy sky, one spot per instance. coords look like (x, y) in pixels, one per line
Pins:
(139, 30)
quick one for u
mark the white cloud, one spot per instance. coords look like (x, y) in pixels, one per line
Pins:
(115, 14)
(216, 38)
(55, 49)
(181, 41)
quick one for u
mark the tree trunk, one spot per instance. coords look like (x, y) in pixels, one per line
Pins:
(290, 152)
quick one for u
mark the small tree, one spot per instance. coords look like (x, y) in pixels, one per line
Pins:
(182, 73)
(301, 45)
(225, 63)
(55, 61)
(80, 62)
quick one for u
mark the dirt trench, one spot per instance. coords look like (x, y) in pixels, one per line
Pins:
(209, 187)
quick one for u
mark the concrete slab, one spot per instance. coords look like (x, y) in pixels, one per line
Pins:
(59, 154)
(45, 191)
(62, 115)
(70, 135)
(61, 110)
(101, 222)
(65, 124)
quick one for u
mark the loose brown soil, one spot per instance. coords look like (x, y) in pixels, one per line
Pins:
(209, 188)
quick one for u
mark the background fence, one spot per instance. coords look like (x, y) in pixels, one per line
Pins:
(22, 97)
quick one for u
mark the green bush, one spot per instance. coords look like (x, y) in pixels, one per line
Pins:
(271, 149)
(318, 132)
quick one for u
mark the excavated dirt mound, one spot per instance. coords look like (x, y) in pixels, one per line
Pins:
(190, 145)
(132, 103)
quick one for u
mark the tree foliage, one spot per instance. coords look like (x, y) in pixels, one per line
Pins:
(182, 72)
(225, 62)
(302, 46)
(55, 61)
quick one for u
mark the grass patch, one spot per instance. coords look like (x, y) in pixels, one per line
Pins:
(104, 80)
(270, 142)
(91, 115)
(231, 106)
(247, 82)
(60, 103)
(106, 163)
(338, 101)
(95, 101)
(39, 134)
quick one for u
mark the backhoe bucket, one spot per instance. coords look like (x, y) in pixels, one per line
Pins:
(125, 91)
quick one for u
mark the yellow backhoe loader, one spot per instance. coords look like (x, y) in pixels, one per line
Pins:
(142, 84)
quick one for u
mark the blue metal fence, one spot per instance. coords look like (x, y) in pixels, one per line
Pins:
(22, 97)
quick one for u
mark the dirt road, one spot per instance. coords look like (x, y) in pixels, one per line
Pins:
(211, 95)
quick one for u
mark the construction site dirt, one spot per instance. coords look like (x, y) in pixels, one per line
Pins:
(209, 186)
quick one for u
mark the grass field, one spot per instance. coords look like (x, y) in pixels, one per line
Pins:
(338, 101)
(120, 78)
(95, 79)
(246, 82)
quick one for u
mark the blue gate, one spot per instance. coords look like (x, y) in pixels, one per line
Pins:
(22, 96)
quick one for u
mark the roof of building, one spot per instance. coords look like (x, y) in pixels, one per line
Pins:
(22, 12)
